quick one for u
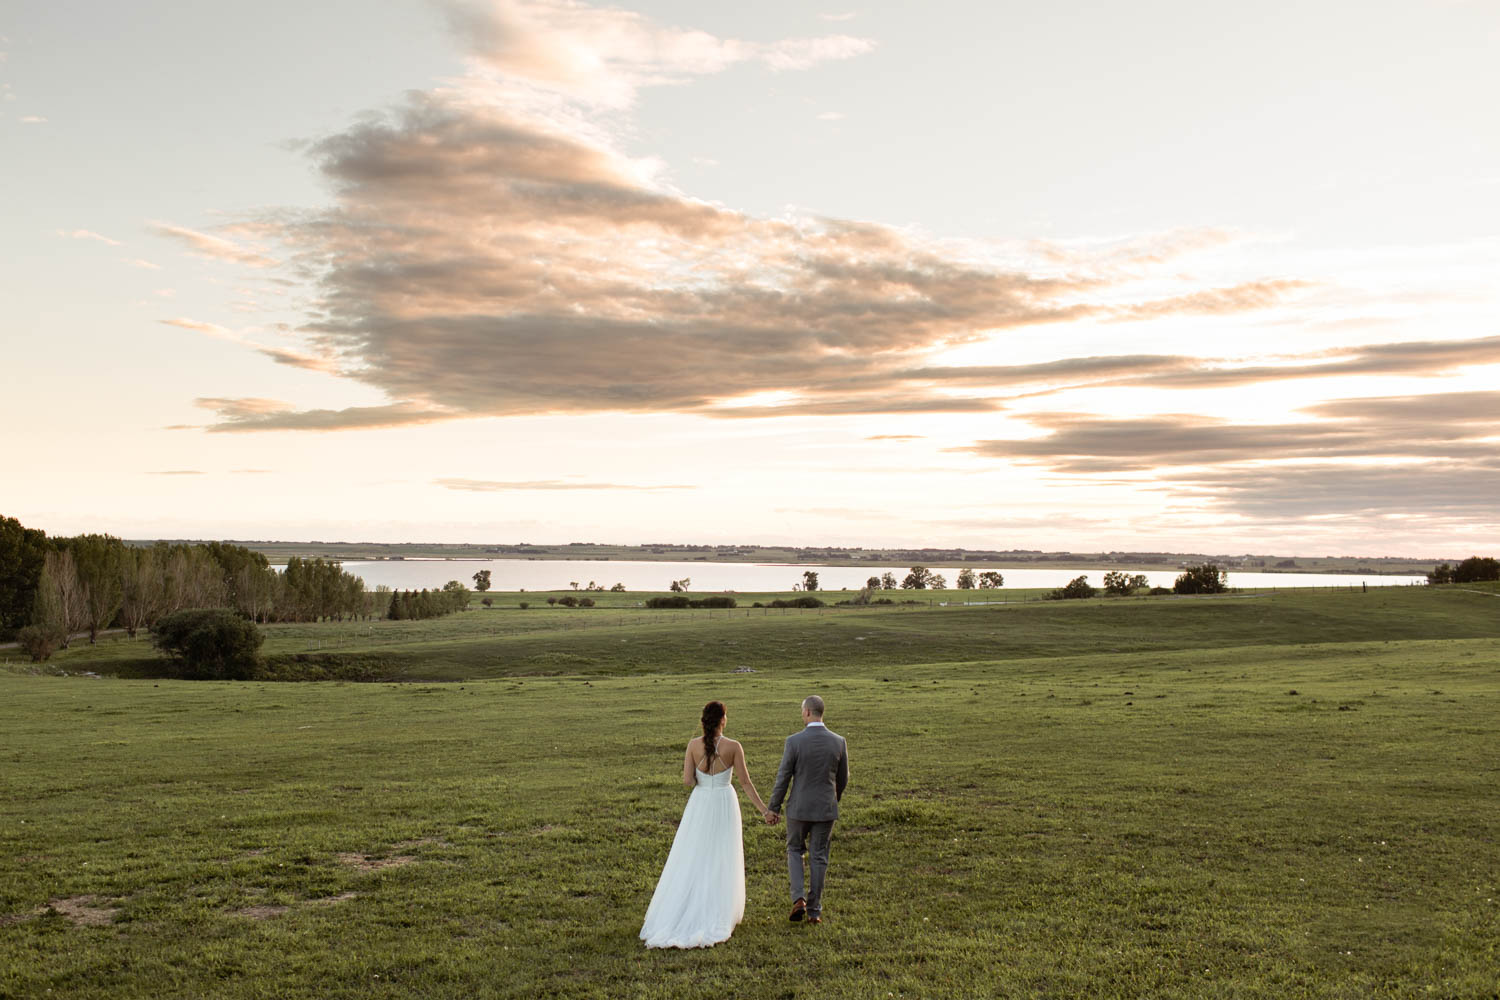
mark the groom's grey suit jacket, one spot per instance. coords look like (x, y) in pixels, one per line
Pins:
(816, 764)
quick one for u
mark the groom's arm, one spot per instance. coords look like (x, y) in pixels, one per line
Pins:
(842, 779)
(784, 775)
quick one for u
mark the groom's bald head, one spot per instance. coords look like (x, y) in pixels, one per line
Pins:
(813, 706)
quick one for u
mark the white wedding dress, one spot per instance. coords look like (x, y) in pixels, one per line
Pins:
(701, 894)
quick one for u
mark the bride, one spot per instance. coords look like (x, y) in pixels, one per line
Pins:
(701, 894)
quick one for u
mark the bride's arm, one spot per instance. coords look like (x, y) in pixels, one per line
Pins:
(689, 779)
(743, 773)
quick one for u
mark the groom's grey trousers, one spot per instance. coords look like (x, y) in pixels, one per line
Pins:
(812, 837)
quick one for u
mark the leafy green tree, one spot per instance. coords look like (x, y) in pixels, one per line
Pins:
(919, 578)
(209, 643)
(966, 579)
(873, 583)
(888, 580)
(1121, 585)
(456, 596)
(1205, 579)
(482, 580)
(618, 588)
(937, 581)
(1441, 574)
(1476, 569)
(22, 552)
(809, 580)
(989, 580)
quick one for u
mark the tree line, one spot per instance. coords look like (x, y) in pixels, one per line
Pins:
(1475, 569)
(52, 589)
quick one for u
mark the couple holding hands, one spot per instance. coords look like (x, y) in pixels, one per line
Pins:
(700, 896)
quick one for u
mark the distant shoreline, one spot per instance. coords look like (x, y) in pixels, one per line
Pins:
(279, 552)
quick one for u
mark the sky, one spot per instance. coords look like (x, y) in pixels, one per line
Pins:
(1158, 276)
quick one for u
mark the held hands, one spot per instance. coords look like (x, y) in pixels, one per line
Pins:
(771, 818)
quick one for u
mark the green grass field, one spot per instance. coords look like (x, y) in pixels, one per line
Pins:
(1281, 796)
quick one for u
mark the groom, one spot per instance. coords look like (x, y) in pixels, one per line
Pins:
(816, 764)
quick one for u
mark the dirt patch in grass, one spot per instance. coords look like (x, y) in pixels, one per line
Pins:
(84, 911)
(6, 919)
(366, 863)
(342, 897)
(261, 912)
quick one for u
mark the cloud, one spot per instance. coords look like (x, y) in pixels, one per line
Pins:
(214, 246)
(494, 486)
(1214, 301)
(176, 472)
(895, 437)
(1447, 492)
(84, 234)
(138, 262)
(1389, 429)
(604, 55)
(490, 253)
(283, 356)
(255, 414)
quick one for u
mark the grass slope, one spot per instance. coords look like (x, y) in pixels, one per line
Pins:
(1219, 819)
(625, 641)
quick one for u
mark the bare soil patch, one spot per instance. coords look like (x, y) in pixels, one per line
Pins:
(84, 911)
(261, 912)
(342, 897)
(367, 863)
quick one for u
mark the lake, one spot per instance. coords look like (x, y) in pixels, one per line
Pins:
(711, 577)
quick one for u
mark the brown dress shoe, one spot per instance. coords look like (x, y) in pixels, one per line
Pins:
(815, 920)
(799, 910)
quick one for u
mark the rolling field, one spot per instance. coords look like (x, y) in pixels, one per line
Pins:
(1281, 796)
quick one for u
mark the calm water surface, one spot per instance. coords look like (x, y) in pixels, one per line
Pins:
(710, 577)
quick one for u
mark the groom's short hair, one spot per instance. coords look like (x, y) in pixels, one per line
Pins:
(813, 704)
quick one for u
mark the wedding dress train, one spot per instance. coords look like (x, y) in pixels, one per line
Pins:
(701, 894)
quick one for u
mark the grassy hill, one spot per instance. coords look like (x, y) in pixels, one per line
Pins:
(1247, 797)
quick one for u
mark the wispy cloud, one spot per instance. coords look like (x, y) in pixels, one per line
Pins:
(604, 55)
(213, 246)
(269, 414)
(503, 486)
(85, 234)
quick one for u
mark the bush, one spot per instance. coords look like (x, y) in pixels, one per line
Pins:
(797, 602)
(683, 601)
(524, 605)
(1161, 590)
(568, 601)
(1205, 579)
(585, 602)
(1078, 588)
(489, 602)
(675, 601)
(723, 601)
(40, 641)
(209, 643)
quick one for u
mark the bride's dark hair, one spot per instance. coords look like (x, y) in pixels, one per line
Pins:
(713, 714)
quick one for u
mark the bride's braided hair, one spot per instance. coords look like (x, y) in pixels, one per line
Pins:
(713, 714)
